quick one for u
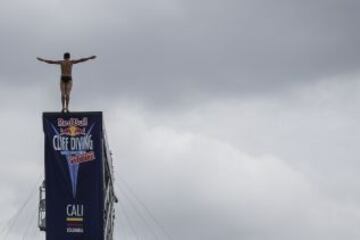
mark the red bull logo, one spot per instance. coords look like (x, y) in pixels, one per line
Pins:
(73, 122)
(72, 131)
(72, 127)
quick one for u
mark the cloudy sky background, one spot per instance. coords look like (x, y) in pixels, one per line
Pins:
(227, 119)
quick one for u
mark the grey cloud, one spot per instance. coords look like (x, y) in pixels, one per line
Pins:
(257, 82)
(172, 51)
(224, 168)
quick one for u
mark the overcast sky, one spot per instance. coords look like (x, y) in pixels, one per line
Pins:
(229, 119)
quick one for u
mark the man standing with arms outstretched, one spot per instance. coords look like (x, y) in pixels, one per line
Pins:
(66, 77)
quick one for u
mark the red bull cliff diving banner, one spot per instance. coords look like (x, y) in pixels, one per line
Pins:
(74, 176)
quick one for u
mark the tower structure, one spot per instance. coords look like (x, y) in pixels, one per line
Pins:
(77, 197)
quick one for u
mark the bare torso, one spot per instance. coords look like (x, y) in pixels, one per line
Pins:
(66, 67)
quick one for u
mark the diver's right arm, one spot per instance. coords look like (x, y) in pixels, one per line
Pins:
(48, 61)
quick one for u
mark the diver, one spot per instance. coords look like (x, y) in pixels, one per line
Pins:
(66, 77)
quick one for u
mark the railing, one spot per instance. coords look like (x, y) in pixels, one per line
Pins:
(108, 212)
(42, 208)
(109, 196)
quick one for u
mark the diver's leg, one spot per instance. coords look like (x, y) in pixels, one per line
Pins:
(67, 100)
(62, 89)
(67, 94)
(63, 100)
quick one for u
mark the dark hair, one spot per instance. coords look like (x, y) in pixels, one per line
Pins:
(66, 55)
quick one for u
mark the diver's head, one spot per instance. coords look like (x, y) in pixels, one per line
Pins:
(66, 56)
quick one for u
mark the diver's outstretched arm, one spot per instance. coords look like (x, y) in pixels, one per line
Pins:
(48, 61)
(83, 59)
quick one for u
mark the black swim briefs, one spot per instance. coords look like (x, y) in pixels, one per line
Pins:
(66, 79)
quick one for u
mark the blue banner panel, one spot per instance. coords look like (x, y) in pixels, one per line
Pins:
(74, 176)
